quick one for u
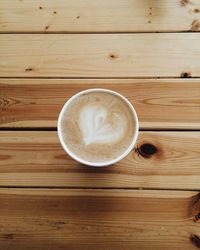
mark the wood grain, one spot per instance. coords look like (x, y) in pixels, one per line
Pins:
(100, 55)
(99, 16)
(161, 160)
(88, 219)
(160, 103)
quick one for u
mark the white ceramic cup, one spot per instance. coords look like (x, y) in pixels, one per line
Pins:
(98, 164)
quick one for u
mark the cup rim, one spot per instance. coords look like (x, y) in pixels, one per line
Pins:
(97, 164)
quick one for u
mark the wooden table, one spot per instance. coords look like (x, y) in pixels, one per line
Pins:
(147, 50)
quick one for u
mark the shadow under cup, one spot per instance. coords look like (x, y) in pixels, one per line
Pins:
(84, 113)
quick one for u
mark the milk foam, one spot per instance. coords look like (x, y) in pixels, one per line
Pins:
(97, 128)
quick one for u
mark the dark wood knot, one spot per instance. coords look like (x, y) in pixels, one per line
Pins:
(196, 10)
(184, 2)
(113, 56)
(195, 240)
(195, 25)
(194, 207)
(197, 217)
(146, 150)
(195, 201)
(185, 75)
(8, 236)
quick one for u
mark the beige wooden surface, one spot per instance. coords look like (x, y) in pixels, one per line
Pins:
(160, 103)
(88, 219)
(99, 15)
(100, 55)
(162, 160)
(50, 50)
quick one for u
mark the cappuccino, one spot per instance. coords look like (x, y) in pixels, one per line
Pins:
(97, 126)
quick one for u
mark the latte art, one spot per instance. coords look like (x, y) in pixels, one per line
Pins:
(98, 127)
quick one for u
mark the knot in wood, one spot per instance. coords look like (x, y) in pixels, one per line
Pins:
(146, 150)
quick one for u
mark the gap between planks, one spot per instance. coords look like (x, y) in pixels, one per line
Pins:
(95, 33)
(98, 78)
(53, 129)
(97, 188)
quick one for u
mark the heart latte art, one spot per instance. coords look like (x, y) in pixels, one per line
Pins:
(101, 125)
(98, 126)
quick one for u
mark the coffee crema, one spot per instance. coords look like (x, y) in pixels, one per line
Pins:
(97, 126)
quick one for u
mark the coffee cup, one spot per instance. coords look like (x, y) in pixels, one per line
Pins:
(98, 127)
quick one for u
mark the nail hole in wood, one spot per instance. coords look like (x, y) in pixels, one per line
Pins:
(29, 69)
(40, 7)
(77, 17)
(55, 12)
(47, 27)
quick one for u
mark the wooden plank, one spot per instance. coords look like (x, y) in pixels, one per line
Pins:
(162, 160)
(99, 15)
(160, 103)
(88, 219)
(105, 55)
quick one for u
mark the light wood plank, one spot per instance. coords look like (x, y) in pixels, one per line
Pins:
(168, 160)
(99, 15)
(160, 104)
(88, 219)
(95, 55)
